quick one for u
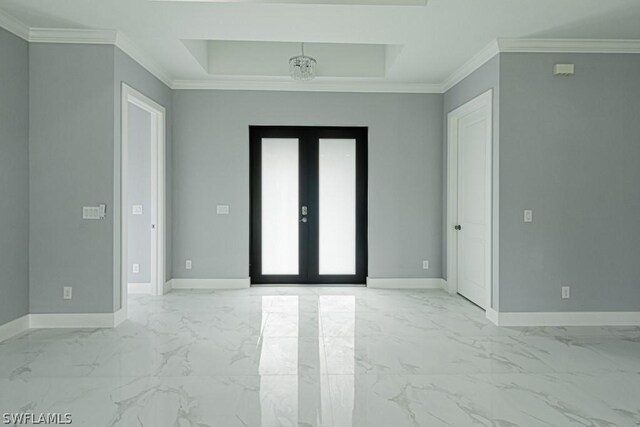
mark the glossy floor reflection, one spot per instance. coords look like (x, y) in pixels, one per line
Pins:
(322, 357)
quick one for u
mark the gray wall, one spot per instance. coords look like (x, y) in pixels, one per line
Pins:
(139, 193)
(481, 80)
(71, 165)
(130, 72)
(14, 177)
(211, 166)
(74, 149)
(570, 150)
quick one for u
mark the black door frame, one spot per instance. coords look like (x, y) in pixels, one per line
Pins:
(308, 195)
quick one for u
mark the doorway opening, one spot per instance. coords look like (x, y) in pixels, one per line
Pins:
(470, 221)
(308, 205)
(142, 202)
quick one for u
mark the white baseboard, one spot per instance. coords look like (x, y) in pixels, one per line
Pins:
(14, 327)
(119, 317)
(139, 288)
(210, 283)
(492, 315)
(75, 320)
(166, 288)
(590, 318)
(403, 283)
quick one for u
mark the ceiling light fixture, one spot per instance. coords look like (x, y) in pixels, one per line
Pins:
(302, 67)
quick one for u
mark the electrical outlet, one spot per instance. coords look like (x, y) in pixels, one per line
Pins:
(187, 264)
(528, 215)
(566, 292)
(136, 268)
(67, 292)
(425, 264)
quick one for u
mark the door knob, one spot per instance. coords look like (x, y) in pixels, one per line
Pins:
(458, 227)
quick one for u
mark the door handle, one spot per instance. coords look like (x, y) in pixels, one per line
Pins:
(304, 219)
(458, 227)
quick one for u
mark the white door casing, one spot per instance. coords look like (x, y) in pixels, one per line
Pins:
(469, 202)
(158, 257)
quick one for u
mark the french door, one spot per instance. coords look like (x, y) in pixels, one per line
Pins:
(308, 205)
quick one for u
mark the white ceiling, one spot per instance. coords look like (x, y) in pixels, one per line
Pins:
(432, 40)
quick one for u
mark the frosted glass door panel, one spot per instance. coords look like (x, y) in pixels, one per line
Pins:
(337, 208)
(280, 206)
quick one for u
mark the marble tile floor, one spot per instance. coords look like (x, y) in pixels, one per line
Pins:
(322, 356)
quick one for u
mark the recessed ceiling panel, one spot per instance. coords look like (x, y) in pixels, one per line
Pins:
(260, 58)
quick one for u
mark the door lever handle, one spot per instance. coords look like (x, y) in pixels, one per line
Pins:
(303, 219)
(458, 227)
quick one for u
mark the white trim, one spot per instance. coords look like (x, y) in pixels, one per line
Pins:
(61, 320)
(476, 61)
(139, 288)
(158, 113)
(567, 318)
(484, 100)
(568, 45)
(74, 320)
(143, 59)
(167, 287)
(14, 327)
(210, 283)
(492, 315)
(117, 38)
(119, 317)
(14, 25)
(72, 35)
(404, 283)
(314, 86)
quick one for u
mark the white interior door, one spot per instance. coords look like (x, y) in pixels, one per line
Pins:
(473, 229)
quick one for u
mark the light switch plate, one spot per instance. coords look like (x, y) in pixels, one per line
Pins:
(136, 268)
(67, 292)
(222, 209)
(425, 264)
(136, 210)
(528, 215)
(187, 264)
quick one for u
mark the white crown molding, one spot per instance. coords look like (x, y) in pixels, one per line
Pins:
(109, 37)
(501, 45)
(146, 61)
(477, 61)
(314, 86)
(504, 45)
(14, 25)
(568, 46)
(404, 283)
(75, 36)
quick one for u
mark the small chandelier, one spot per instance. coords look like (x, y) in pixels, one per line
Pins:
(302, 67)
